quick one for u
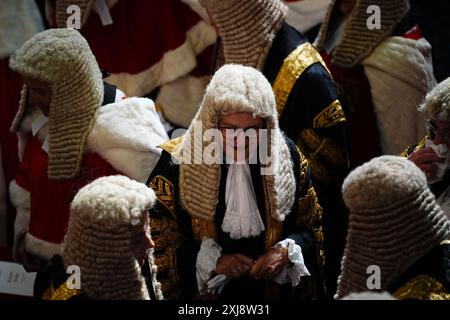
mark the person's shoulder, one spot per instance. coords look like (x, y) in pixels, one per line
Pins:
(310, 66)
(287, 39)
(167, 167)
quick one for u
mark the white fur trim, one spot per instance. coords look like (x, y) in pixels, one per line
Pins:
(126, 134)
(180, 99)
(19, 21)
(41, 248)
(20, 198)
(173, 64)
(400, 73)
(119, 95)
(292, 273)
(306, 14)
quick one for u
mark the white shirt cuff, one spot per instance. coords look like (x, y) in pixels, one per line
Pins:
(292, 273)
(207, 258)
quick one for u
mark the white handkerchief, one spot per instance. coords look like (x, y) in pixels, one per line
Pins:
(242, 218)
(217, 283)
(443, 152)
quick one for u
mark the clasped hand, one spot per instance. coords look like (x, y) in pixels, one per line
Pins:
(267, 266)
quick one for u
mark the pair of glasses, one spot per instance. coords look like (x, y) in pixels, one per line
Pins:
(245, 130)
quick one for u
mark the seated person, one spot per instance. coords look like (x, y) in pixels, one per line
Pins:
(398, 239)
(240, 222)
(108, 240)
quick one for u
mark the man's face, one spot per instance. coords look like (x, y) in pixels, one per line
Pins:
(39, 94)
(347, 6)
(235, 128)
(141, 240)
(439, 132)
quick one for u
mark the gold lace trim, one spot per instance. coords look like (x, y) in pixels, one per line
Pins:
(423, 287)
(322, 155)
(61, 293)
(172, 146)
(166, 241)
(329, 116)
(293, 66)
(165, 193)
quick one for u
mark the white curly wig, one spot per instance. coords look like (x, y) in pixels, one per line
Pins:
(99, 237)
(436, 105)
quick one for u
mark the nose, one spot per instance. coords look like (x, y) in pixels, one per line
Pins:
(149, 241)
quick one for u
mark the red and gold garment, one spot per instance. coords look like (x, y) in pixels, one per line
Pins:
(50, 200)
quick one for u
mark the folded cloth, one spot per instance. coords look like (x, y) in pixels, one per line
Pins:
(442, 151)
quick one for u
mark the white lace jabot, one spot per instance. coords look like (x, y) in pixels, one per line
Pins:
(242, 218)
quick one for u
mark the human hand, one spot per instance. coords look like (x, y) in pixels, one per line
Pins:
(426, 159)
(233, 265)
(270, 264)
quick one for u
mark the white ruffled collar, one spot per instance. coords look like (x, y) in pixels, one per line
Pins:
(242, 218)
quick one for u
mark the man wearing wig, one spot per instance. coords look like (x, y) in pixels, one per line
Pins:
(238, 224)
(432, 154)
(72, 129)
(256, 34)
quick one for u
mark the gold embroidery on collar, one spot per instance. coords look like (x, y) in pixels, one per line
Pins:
(172, 146)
